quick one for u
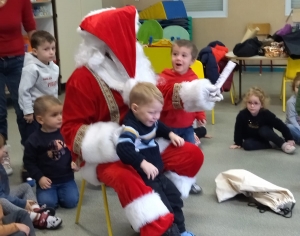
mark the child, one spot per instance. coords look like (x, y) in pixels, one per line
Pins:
(184, 54)
(292, 118)
(23, 198)
(254, 125)
(48, 160)
(39, 76)
(16, 223)
(137, 147)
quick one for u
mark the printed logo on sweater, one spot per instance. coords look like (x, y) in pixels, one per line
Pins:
(56, 149)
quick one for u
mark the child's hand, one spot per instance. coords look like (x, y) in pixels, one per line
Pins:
(197, 140)
(29, 203)
(28, 118)
(45, 182)
(235, 146)
(74, 167)
(291, 142)
(176, 140)
(150, 170)
(23, 228)
(201, 123)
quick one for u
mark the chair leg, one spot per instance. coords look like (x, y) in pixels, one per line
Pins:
(244, 65)
(271, 66)
(260, 67)
(213, 116)
(283, 79)
(80, 201)
(107, 216)
(232, 93)
(283, 95)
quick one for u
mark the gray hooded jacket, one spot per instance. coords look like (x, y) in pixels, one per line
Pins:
(37, 80)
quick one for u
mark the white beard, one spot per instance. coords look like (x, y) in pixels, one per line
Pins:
(92, 52)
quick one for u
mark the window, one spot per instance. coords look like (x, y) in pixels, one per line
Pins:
(291, 4)
(206, 8)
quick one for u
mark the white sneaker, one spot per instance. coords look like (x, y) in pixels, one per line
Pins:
(6, 160)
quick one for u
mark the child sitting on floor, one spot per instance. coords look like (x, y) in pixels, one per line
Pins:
(23, 198)
(254, 126)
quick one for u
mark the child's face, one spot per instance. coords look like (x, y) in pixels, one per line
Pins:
(45, 52)
(254, 105)
(149, 113)
(181, 59)
(52, 119)
(296, 87)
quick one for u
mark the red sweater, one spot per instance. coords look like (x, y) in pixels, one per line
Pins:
(12, 15)
(172, 117)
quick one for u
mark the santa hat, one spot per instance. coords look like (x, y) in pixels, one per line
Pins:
(121, 38)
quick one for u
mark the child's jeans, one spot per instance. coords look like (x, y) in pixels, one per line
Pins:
(65, 195)
(295, 132)
(186, 133)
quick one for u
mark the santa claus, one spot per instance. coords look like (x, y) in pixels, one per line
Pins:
(109, 62)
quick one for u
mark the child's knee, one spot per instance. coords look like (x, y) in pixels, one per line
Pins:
(69, 202)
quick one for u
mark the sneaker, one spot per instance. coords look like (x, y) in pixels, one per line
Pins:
(6, 160)
(46, 221)
(172, 231)
(195, 189)
(187, 233)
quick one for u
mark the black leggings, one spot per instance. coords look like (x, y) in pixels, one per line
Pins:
(170, 196)
(266, 134)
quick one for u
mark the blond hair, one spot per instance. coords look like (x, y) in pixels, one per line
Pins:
(295, 81)
(188, 44)
(144, 93)
(42, 104)
(257, 92)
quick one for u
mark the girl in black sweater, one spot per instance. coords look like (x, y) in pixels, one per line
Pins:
(254, 126)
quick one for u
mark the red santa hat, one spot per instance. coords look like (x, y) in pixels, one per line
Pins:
(116, 28)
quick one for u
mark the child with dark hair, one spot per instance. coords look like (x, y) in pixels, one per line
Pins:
(48, 160)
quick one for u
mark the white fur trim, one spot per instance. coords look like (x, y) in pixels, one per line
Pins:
(183, 183)
(88, 172)
(145, 209)
(195, 95)
(97, 144)
(162, 143)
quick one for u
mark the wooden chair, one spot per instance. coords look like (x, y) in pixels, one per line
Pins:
(292, 68)
(264, 31)
(107, 216)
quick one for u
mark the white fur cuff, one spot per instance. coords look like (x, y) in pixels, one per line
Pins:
(145, 209)
(195, 95)
(97, 144)
(182, 183)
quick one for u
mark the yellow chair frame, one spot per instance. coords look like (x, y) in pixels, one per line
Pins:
(292, 67)
(107, 215)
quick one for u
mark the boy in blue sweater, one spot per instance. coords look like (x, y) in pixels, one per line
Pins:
(137, 147)
(48, 160)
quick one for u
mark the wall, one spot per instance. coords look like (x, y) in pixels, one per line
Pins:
(230, 30)
(112, 3)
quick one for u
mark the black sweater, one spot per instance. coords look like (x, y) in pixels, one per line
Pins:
(46, 154)
(136, 143)
(246, 125)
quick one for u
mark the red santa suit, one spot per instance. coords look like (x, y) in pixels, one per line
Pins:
(109, 62)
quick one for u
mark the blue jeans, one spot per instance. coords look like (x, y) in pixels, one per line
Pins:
(65, 195)
(10, 75)
(186, 133)
(295, 132)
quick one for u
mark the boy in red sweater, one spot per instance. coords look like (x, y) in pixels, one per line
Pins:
(184, 54)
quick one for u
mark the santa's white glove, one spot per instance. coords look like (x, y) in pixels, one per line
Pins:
(214, 93)
(116, 134)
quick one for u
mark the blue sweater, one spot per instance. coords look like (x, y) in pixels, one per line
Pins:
(4, 190)
(46, 154)
(292, 116)
(136, 143)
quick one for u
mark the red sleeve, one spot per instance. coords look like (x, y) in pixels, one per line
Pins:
(27, 16)
(200, 115)
(81, 108)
